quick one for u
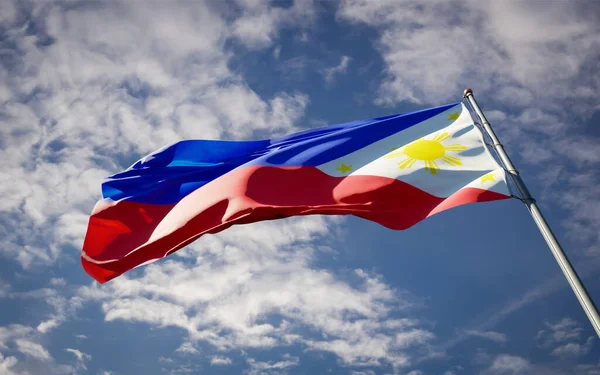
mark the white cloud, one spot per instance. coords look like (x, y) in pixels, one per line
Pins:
(257, 367)
(581, 200)
(47, 325)
(12, 332)
(80, 357)
(536, 293)
(341, 68)
(489, 335)
(509, 364)
(589, 369)
(165, 360)
(506, 364)
(413, 337)
(187, 347)
(225, 289)
(564, 339)
(259, 24)
(4, 288)
(6, 363)
(58, 281)
(573, 349)
(564, 330)
(32, 349)
(63, 309)
(220, 361)
(434, 50)
(145, 310)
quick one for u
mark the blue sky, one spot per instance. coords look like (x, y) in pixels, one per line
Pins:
(87, 88)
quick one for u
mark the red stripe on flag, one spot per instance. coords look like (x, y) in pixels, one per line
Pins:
(252, 194)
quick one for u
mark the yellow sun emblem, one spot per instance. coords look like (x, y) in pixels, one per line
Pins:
(428, 151)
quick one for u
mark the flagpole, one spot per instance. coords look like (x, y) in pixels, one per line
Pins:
(562, 260)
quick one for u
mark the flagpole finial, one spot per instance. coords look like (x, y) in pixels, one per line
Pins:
(467, 93)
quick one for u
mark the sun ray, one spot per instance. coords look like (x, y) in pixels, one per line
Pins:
(441, 137)
(407, 163)
(452, 160)
(455, 148)
(394, 154)
(431, 166)
(427, 167)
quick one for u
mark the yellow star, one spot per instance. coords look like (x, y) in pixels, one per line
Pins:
(488, 177)
(344, 168)
(453, 116)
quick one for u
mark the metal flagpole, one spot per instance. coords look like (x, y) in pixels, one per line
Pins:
(582, 295)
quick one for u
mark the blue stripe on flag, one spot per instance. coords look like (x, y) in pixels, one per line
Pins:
(171, 173)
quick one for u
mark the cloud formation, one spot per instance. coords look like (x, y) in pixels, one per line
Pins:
(226, 290)
(489, 335)
(341, 68)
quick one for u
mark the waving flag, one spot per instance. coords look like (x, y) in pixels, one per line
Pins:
(395, 170)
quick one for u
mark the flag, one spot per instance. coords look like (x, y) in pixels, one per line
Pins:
(395, 170)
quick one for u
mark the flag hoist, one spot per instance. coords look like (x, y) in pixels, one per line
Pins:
(562, 260)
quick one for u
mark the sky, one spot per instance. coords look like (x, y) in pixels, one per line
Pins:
(87, 88)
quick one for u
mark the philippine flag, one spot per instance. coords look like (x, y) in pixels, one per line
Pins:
(395, 170)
